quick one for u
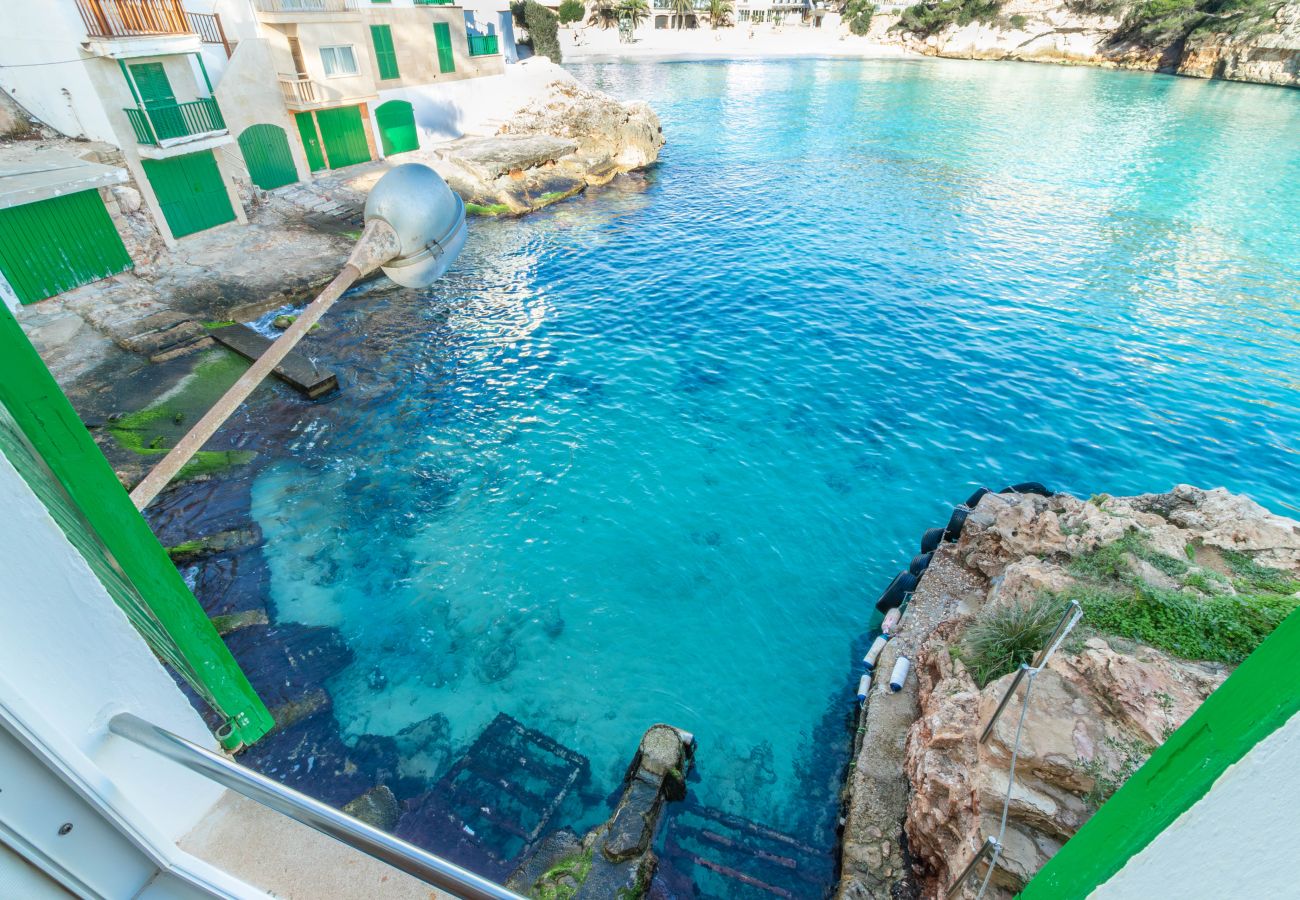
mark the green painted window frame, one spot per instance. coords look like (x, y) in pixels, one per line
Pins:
(381, 36)
(446, 55)
(1256, 700)
(59, 438)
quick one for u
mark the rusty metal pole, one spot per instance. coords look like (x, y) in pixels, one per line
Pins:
(378, 245)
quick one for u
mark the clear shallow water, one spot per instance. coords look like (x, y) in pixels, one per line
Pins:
(652, 454)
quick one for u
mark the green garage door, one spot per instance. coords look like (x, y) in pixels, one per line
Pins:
(310, 142)
(54, 245)
(396, 120)
(190, 190)
(266, 152)
(344, 136)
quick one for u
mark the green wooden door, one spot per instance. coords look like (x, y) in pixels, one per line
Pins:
(54, 245)
(266, 151)
(396, 120)
(310, 142)
(159, 100)
(190, 190)
(344, 136)
(446, 59)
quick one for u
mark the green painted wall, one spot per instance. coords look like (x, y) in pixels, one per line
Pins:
(1257, 699)
(105, 523)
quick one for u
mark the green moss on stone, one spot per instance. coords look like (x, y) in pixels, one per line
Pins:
(494, 209)
(562, 880)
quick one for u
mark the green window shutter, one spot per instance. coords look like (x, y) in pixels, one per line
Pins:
(152, 83)
(385, 55)
(442, 34)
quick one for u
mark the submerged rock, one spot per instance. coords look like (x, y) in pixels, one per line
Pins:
(377, 806)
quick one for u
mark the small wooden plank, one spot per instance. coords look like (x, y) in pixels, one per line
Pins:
(295, 370)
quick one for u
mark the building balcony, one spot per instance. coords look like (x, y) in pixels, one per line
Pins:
(133, 18)
(435, 2)
(306, 6)
(299, 92)
(166, 125)
(483, 45)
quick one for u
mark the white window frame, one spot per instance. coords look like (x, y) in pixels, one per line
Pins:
(337, 57)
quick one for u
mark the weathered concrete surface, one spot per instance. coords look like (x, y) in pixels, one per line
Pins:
(292, 861)
(873, 861)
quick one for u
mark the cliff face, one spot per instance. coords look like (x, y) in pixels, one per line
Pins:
(1176, 588)
(1065, 32)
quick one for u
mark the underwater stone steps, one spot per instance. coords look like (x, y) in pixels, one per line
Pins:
(456, 818)
(752, 859)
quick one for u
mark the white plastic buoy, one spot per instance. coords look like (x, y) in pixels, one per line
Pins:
(899, 675)
(877, 647)
(864, 687)
(891, 620)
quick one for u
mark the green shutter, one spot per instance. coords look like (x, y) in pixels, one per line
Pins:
(385, 55)
(442, 34)
(266, 153)
(190, 191)
(310, 141)
(396, 121)
(152, 83)
(54, 245)
(344, 136)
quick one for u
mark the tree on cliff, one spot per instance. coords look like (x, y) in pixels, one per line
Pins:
(543, 30)
(571, 11)
(858, 13)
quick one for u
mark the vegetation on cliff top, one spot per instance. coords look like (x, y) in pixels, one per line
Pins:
(933, 16)
(1195, 612)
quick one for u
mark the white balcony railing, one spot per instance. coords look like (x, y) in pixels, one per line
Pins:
(298, 90)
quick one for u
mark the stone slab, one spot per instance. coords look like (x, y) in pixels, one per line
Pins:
(295, 370)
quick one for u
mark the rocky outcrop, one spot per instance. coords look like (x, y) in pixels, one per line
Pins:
(566, 138)
(1068, 32)
(923, 792)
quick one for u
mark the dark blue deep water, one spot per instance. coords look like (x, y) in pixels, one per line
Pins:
(650, 455)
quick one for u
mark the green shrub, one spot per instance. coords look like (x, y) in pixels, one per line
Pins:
(1018, 22)
(1157, 23)
(517, 13)
(1111, 562)
(1002, 638)
(543, 30)
(933, 16)
(572, 11)
(1252, 577)
(858, 14)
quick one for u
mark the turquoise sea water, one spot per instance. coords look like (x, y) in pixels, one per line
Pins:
(650, 455)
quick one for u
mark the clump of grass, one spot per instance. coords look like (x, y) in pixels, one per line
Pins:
(1220, 627)
(1253, 577)
(1002, 638)
(1111, 562)
(1106, 780)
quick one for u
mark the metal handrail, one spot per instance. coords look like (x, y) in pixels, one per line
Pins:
(408, 858)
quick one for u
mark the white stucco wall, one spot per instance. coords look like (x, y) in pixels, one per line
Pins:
(71, 660)
(1242, 839)
(45, 69)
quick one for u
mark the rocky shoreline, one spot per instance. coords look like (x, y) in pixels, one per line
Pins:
(1175, 588)
(1097, 34)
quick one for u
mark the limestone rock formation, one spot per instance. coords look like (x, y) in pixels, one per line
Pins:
(923, 793)
(564, 139)
(1062, 31)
